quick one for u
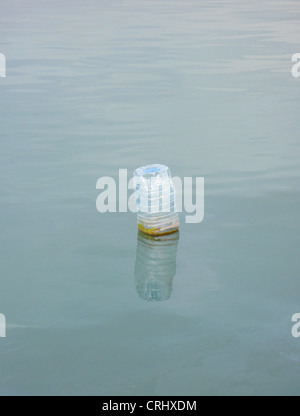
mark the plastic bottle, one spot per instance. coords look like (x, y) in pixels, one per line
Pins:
(155, 200)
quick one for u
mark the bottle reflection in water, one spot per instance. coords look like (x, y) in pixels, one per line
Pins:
(155, 265)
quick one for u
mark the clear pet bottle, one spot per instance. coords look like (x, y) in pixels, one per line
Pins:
(155, 200)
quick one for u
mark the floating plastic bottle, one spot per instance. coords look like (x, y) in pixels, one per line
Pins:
(155, 200)
(155, 266)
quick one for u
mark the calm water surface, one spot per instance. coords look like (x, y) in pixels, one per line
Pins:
(204, 87)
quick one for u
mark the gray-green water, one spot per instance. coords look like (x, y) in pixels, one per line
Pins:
(204, 87)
